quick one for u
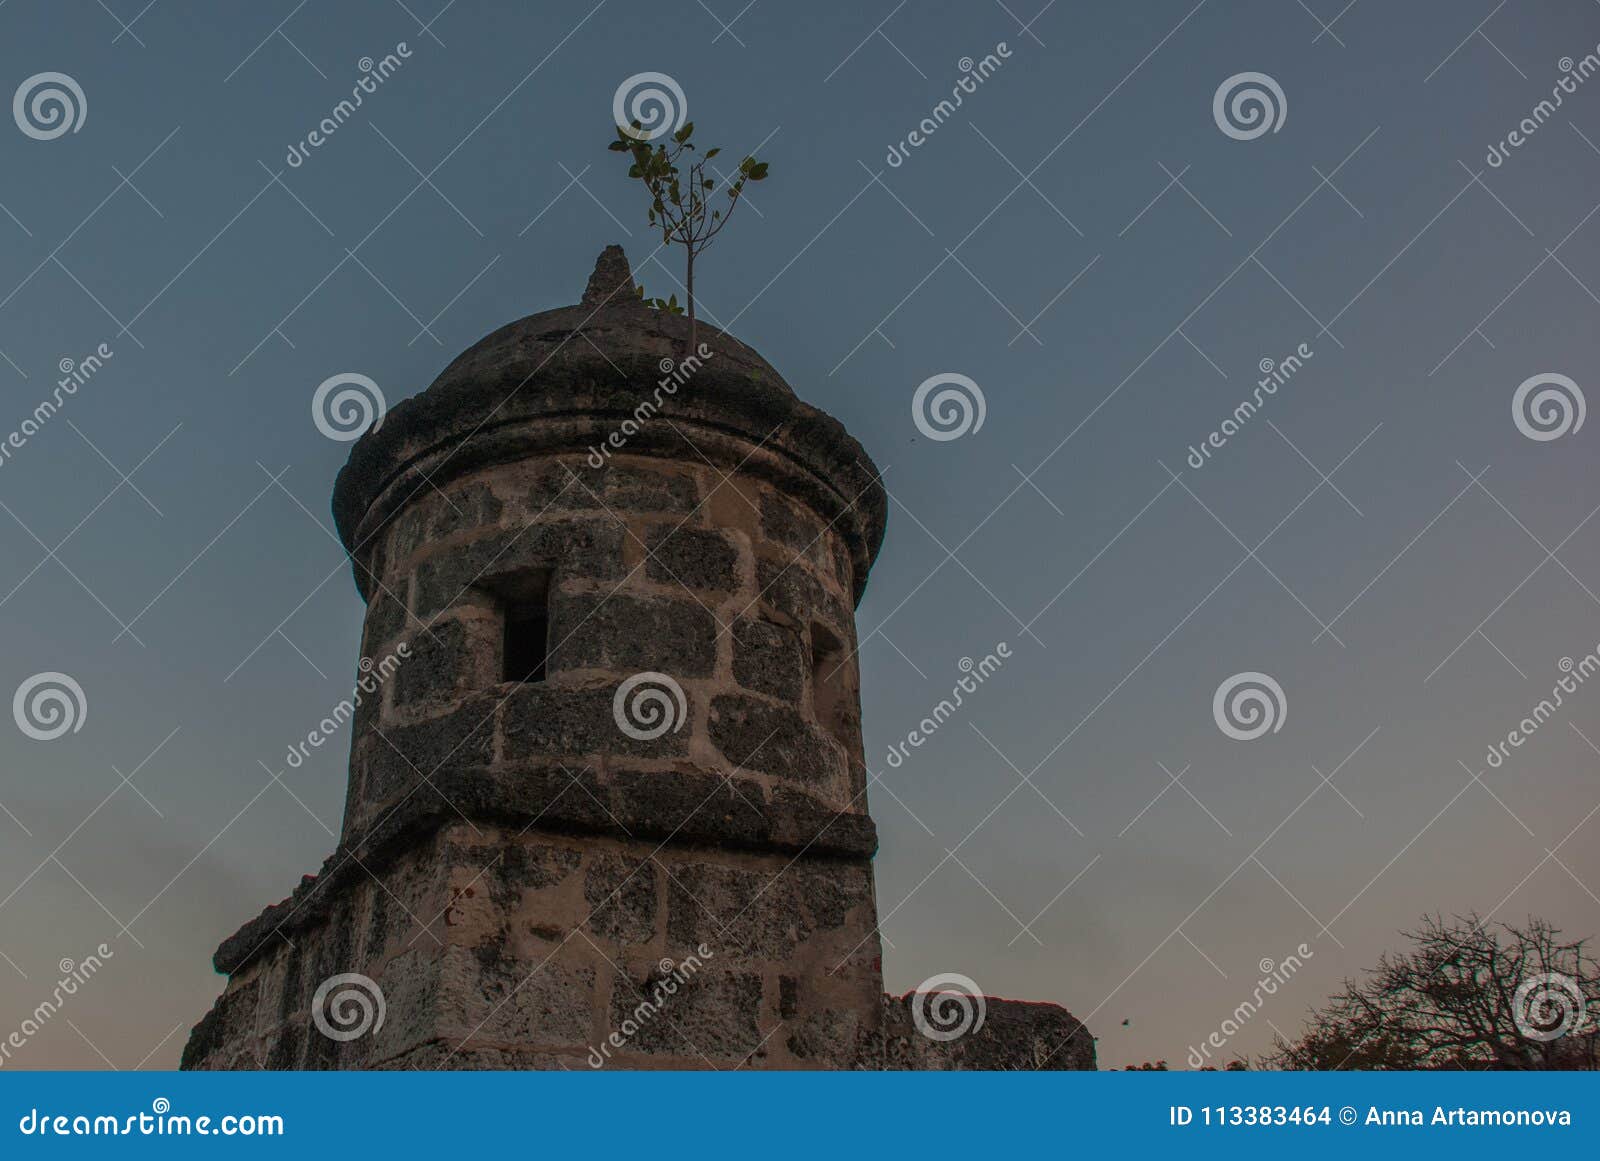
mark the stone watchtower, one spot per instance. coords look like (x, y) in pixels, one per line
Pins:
(609, 809)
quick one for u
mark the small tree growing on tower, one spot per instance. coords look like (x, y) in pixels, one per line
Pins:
(674, 175)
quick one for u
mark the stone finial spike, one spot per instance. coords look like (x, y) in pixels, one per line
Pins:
(611, 284)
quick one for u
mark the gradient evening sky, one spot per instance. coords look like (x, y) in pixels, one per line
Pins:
(1126, 597)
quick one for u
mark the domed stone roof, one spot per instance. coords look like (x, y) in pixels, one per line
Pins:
(564, 380)
(611, 322)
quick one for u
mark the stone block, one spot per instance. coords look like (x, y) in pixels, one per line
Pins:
(621, 894)
(757, 735)
(397, 762)
(225, 1029)
(546, 720)
(1014, 1035)
(695, 558)
(283, 1049)
(714, 1016)
(745, 914)
(769, 659)
(387, 622)
(791, 590)
(792, 525)
(434, 515)
(511, 867)
(624, 488)
(628, 634)
(444, 1056)
(576, 548)
(843, 567)
(829, 1038)
(508, 999)
(447, 658)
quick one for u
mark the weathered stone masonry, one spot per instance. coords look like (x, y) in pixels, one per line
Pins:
(516, 873)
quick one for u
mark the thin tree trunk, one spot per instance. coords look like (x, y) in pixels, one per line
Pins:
(689, 293)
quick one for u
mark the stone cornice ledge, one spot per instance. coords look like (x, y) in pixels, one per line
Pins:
(685, 808)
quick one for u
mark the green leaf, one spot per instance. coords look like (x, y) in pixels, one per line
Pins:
(710, 153)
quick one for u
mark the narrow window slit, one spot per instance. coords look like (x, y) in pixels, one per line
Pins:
(524, 605)
(830, 690)
(527, 644)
